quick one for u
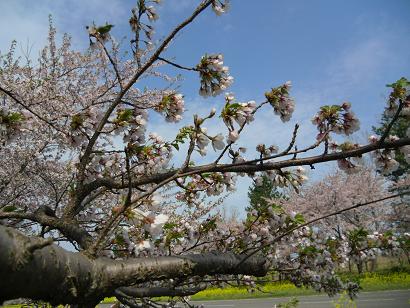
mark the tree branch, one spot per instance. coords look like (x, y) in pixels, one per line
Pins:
(142, 70)
(177, 65)
(71, 211)
(19, 102)
(393, 120)
(68, 228)
(246, 167)
(57, 276)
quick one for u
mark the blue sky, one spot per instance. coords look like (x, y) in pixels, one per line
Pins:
(332, 51)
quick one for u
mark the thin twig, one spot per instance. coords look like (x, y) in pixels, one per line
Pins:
(177, 65)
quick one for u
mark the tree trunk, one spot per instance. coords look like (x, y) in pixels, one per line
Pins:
(359, 265)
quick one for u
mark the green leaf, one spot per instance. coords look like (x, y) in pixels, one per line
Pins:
(209, 225)
(402, 83)
(124, 115)
(119, 240)
(9, 208)
(170, 225)
(76, 121)
(14, 117)
(104, 29)
(299, 218)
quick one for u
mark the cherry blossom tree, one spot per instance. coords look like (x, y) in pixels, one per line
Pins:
(338, 190)
(335, 192)
(78, 165)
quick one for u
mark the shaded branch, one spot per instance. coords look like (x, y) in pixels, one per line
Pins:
(57, 276)
(68, 228)
(161, 291)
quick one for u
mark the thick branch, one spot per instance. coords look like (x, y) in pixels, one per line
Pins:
(57, 276)
(247, 167)
(68, 228)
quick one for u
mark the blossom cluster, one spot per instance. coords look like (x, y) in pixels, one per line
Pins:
(266, 151)
(406, 152)
(385, 159)
(309, 255)
(144, 227)
(349, 165)
(104, 165)
(150, 233)
(241, 113)
(152, 226)
(336, 118)
(134, 125)
(203, 139)
(142, 9)
(400, 92)
(220, 7)
(152, 157)
(366, 246)
(284, 178)
(213, 184)
(151, 13)
(172, 106)
(214, 75)
(283, 105)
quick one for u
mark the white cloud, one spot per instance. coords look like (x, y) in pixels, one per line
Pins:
(28, 22)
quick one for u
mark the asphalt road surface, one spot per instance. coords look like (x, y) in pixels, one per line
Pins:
(382, 299)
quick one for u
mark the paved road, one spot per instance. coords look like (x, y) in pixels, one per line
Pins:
(383, 299)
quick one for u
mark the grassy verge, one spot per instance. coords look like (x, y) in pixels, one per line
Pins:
(368, 282)
(378, 281)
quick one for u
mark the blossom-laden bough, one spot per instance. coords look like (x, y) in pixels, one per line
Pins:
(78, 166)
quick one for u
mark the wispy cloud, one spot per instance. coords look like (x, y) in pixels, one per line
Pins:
(359, 62)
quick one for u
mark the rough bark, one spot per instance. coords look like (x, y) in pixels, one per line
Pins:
(34, 268)
(160, 291)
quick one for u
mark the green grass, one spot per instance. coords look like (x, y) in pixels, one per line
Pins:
(380, 281)
(284, 289)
